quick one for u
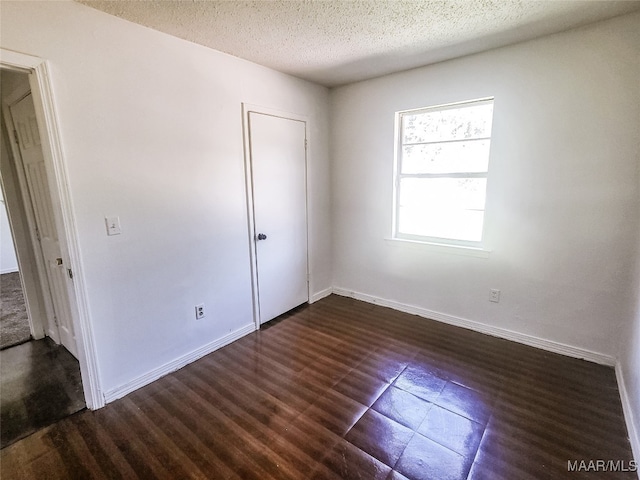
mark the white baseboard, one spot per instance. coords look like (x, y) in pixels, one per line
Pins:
(530, 340)
(178, 363)
(320, 295)
(629, 416)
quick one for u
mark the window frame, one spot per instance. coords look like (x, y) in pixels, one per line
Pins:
(457, 244)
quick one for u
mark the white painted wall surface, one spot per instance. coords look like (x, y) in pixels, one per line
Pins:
(8, 260)
(152, 132)
(562, 210)
(631, 371)
(630, 359)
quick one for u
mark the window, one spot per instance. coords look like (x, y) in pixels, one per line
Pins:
(441, 173)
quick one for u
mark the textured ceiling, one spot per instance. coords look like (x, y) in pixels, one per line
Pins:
(341, 41)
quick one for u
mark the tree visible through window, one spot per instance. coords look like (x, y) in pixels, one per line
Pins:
(441, 172)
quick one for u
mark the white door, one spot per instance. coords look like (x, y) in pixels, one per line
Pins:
(278, 166)
(28, 138)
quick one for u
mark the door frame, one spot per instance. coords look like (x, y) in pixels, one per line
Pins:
(248, 108)
(55, 165)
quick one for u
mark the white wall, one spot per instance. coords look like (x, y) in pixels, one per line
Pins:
(8, 260)
(630, 361)
(562, 210)
(152, 132)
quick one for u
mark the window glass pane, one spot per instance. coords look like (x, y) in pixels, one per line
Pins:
(454, 224)
(442, 207)
(456, 123)
(457, 157)
(441, 149)
(443, 193)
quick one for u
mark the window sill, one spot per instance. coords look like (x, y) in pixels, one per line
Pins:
(440, 247)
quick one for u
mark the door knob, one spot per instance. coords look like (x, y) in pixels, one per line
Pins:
(262, 236)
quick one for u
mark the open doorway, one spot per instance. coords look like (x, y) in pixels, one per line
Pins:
(40, 378)
(14, 321)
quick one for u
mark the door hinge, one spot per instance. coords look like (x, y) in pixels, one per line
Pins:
(15, 135)
(70, 273)
(306, 144)
(37, 233)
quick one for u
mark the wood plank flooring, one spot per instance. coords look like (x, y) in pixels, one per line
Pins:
(344, 389)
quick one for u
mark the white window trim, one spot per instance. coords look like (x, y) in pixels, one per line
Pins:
(444, 245)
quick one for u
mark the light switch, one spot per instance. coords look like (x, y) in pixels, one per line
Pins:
(113, 225)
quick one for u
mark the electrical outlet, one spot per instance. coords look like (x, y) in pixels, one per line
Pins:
(494, 296)
(200, 311)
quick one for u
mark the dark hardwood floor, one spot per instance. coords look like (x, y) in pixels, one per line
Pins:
(344, 389)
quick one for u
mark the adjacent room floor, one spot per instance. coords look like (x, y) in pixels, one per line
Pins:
(344, 389)
(39, 384)
(14, 323)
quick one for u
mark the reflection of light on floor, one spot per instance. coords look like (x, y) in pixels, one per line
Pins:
(424, 423)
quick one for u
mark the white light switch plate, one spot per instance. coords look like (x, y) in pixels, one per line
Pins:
(113, 225)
